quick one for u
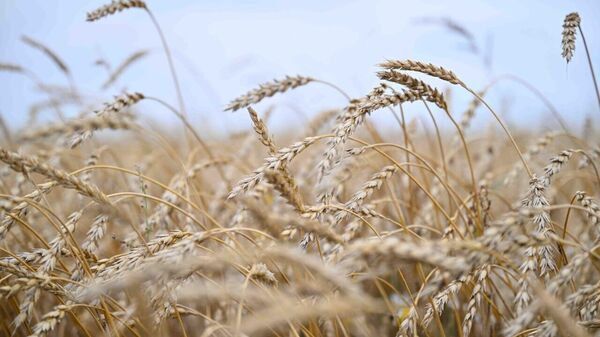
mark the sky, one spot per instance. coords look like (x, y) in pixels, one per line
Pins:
(224, 48)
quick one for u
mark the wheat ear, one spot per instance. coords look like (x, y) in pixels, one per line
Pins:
(24, 164)
(425, 68)
(114, 7)
(569, 35)
(267, 90)
(429, 94)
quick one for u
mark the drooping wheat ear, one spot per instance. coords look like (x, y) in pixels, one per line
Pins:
(313, 212)
(115, 266)
(13, 68)
(536, 199)
(114, 7)
(48, 52)
(554, 285)
(527, 269)
(569, 34)
(430, 252)
(542, 143)
(536, 258)
(399, 97)
(285, 187)
(469, 114)
(81, 136)
(119, 5)
(367, 189)
(275, 162)
(50, 257)
(345, 126)
(77, 125)
(556, 163)
(27, 305)
(425, 68)
(120, 103)
(50, 320)
(123, 66)
(485, 202)
(475, 299)
(34, 283)
(594, 155)
(91, 161)
(567, 273)
(320, 121)
(408, 327)
(260, 272)
(24, 164)
(261, 130)
(20, 210)
(430, 94)
(593, 210)
(442, 297)
(177, 185)
(504, 235)
(587, 293)
(95, 234)
(312, 228)
(539, 145)
(570, 26)
(267, 90)
(282, 179)
(89, 246)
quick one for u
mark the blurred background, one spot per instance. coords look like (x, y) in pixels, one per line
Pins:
(224, 48)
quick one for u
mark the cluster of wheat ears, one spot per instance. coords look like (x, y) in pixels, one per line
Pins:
(337, 229)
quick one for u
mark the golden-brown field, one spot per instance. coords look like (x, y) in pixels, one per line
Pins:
(339, 228)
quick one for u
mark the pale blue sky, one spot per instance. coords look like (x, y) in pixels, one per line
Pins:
(224, 48)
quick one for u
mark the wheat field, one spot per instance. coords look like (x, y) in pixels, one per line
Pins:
(337, 228)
